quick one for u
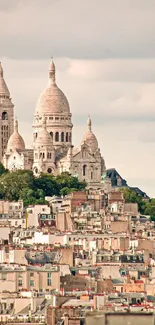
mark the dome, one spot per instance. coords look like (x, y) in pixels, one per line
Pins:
(4, 91)
(15, 142)
(44, 138)
(52, 100)
(90, 138)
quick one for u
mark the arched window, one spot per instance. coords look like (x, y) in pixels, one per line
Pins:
(91, 175)
(67, 137)
(43, 155)
(36, 135)
(4, 116)
(70, 137)
(62, 136)
(57, 136)
(84, 170)
(51, 134)
(50, 155)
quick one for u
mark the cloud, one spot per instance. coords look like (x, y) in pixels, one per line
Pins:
(78, 29)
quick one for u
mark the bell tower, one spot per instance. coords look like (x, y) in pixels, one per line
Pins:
(6, 114)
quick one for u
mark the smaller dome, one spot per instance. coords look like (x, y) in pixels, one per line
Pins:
(89, 137)
(43, 138)
(15, 141)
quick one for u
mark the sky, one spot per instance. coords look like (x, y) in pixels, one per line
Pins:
(104, 52)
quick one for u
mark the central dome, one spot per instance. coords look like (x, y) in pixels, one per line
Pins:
(52, 100)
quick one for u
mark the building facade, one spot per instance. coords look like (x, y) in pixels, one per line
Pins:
(53, 151)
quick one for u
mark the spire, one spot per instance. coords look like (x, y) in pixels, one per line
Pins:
(16, 125)
(89, 123)
(4, 91)
(1, 71)
(52, 72)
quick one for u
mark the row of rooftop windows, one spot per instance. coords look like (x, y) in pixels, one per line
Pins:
(57, 118)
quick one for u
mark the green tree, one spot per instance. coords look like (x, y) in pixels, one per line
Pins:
(2, 169)
(47, 183)
(150, 208)
(130, 196)
(23, 185)
(11, 184)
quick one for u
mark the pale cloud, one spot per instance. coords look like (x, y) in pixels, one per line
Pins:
(78, 29)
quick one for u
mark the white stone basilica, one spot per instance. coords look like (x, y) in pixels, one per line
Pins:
(52, 151)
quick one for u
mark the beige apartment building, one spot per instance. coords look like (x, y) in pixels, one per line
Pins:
(15, 278)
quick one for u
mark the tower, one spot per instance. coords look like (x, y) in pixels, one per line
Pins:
(44, 152)
(6, 114)
(54, 105)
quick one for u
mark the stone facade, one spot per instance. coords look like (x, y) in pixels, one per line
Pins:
(53, 151)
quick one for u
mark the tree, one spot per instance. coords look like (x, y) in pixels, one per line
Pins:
(130, 196)
(150, 209)
(12, 183)
(23, 185)
(2, 169)
(48, 184)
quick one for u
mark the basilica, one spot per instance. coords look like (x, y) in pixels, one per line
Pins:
(53, 151)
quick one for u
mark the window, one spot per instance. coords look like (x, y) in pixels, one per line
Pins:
(57, 136)
(62, 137)
(31, 283)
(70, 137)
(20, 283)
(84, 170)
(4, 276)
(49, 170)
(67, 137)
(49, 279)
(31, 274)
(4, 116)
(91, 175)
(57, 118)
(20, 275)
(51, 134)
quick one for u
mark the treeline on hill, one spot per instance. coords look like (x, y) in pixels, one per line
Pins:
(22, 184)
(147, 208)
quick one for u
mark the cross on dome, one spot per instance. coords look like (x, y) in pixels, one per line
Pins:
(16, 125)
(52, 71)
(89, 123)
